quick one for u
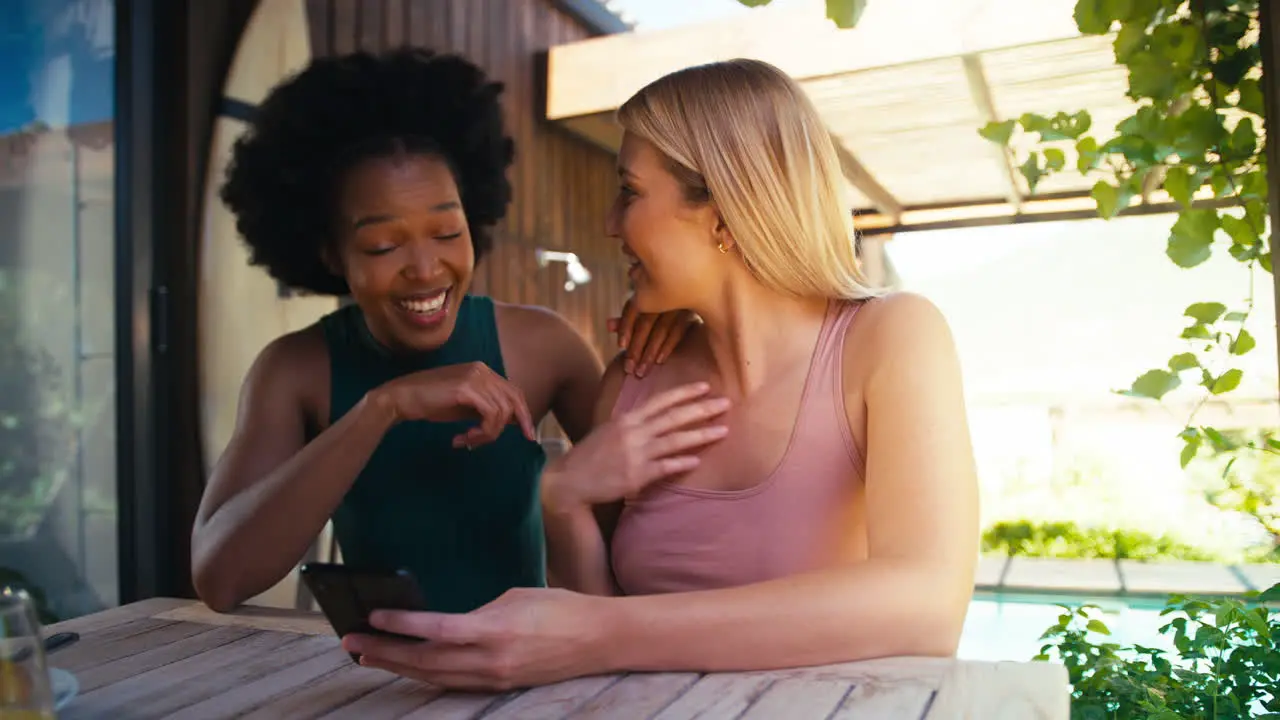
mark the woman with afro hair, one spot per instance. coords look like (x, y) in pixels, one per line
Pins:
(407, 417)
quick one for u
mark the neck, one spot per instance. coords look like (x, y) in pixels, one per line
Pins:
(753, 332)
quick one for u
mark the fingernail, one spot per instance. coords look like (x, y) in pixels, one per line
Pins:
(644, 368)
(718, 430)
(629, 366)
(720, 403)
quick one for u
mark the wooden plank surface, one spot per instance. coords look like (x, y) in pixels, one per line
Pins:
(886, 700)
(176, 658)
(637, 695)
(262, 618)
(117, 615)
(799, 697)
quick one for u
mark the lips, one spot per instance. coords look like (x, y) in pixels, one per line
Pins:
(636, 266)
(427, 308)
(425, 304)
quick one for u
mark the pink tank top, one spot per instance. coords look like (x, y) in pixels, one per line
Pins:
(805, 515)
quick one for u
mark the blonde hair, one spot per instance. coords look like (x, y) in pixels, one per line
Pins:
(743, 134)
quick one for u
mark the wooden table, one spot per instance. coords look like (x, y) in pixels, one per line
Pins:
(166, 657)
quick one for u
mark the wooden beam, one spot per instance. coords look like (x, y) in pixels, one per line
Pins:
(1067, 206)
(859, 177)
(980, 89)
(599, 74)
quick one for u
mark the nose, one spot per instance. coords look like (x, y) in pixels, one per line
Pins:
(422, 261)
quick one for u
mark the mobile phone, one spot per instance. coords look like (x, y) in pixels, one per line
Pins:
(347, 595)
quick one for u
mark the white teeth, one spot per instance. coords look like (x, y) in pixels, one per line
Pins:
(424, 307)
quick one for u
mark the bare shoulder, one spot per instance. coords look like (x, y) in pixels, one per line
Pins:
(541, 335)
(540, 345)
(516, 313)
(534, 325)
(301, 352)
(897, 323)
(294, 364)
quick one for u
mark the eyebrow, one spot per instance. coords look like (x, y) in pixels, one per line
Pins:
(366, 220)
(624, 172)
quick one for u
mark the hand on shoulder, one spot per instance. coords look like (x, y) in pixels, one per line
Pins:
(644, 340)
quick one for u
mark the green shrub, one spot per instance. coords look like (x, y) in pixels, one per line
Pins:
(1069, 540)
(1226, 663)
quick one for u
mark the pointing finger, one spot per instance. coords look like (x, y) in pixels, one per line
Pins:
(525, 418)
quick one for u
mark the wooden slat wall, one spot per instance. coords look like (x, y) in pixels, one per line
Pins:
(562, 185)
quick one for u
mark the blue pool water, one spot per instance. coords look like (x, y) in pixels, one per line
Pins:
(1008, 627)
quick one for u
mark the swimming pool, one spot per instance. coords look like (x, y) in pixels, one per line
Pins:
(1008, 627)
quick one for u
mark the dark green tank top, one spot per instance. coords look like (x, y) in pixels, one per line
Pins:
(467, 524)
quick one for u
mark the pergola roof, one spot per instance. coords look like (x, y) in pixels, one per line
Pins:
(903, 94)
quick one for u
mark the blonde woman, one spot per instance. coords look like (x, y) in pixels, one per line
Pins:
(795, 486)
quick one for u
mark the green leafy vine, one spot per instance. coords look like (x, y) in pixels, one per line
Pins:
(1194, 69)
(1224, 664)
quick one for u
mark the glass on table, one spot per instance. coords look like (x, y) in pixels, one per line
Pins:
(25, 690)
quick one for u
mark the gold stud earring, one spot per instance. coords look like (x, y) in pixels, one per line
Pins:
(723, 249)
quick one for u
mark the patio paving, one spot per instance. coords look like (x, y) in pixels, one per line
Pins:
(1261, 576)
(1119, 577)
(1182, 578)
(1053, 574)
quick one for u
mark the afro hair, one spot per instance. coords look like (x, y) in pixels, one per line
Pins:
(340, 110)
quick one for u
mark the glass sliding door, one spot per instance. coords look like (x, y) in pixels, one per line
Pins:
(58, 444)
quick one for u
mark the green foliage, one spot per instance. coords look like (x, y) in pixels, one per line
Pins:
(1068, 540)
(1194, 70)
(37, 423)
(1226, 665)
(844, 13)
(1243, 482)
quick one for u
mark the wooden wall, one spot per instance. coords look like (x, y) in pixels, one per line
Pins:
(562, 185)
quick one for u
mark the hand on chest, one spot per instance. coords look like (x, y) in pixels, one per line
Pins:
(760, 435)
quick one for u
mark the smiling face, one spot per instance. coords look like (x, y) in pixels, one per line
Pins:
(404, 248)
(671, 238)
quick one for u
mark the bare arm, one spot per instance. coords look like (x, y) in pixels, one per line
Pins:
(272, 491)
(910, 596)
(577, 548)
